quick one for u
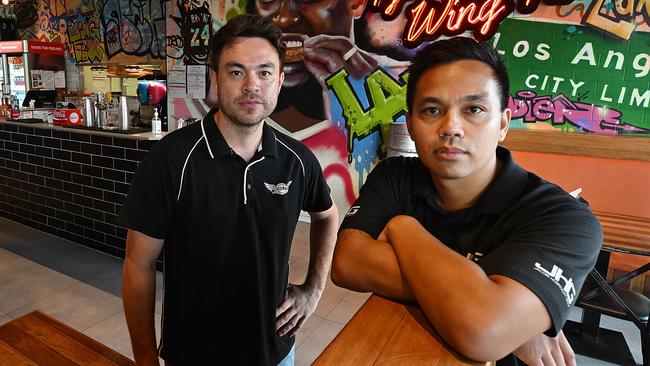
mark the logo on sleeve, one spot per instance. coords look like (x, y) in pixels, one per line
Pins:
(565, 284)
(280, 188)
(353, 210)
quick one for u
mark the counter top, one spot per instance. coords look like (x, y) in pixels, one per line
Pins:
(131, 136)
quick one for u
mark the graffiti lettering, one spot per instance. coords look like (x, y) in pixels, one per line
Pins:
(620, 22)
(85, 39)
(195, 23)
(560, 109)
(134, 28)
(387, 97)
(175, 46)
(641, 62)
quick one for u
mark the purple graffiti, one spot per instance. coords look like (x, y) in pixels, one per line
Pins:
(559, 109)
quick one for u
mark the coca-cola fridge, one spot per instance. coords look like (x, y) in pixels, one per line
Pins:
(31, 65)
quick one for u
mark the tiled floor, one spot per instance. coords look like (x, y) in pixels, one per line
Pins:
(82, 288)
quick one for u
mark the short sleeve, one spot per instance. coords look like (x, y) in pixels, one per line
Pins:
(317, 192)
(150, 204)
(377, 202)
(551, 255)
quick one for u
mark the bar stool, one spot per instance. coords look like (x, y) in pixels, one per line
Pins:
(621, 303)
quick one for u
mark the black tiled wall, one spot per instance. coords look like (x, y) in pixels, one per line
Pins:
(68, 184)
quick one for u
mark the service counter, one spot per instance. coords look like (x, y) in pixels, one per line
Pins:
(69, 182)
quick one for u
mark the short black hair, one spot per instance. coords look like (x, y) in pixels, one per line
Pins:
(457, 49)
(250, 26)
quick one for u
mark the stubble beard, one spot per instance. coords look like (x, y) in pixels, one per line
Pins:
(246, 121)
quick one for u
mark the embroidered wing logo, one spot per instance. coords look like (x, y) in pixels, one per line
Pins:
(280, 188)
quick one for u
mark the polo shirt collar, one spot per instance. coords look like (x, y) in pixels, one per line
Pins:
(506, 187)
(217, 145)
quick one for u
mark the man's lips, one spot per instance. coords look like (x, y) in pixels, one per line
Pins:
(249, 103)
(449, 153)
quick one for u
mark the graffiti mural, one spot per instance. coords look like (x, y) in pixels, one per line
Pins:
(617, 18)
(134, 27)
(387, 101)
(572, 68)
(195, 23)
(84, 36)
(344, 88)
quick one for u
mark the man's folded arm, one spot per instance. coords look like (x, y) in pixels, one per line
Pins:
(362, 263)
(483, 317)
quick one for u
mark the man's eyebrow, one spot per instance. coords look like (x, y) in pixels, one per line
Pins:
(475, 97)
(433, 100)
(264, 65)
(466, 98)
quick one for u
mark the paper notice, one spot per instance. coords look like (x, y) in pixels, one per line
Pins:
(196, 81)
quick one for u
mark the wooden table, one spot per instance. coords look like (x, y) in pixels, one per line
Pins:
(384, 332)
(621, 234)
(38, 339)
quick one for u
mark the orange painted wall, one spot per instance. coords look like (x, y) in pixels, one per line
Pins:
(617, 186)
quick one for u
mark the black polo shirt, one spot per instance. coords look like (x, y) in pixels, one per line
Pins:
(522, 227)
(227, 226)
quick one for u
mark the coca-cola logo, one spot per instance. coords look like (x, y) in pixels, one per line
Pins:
(74, 117)
(60, 114)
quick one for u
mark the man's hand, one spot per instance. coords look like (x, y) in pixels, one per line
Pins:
(325, 54)
(546, 351)
(298, 305)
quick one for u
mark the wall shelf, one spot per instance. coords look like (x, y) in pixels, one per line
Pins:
(620, 147)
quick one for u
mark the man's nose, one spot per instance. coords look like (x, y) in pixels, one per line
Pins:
(288, 15)
(251, 83)
(451, 125)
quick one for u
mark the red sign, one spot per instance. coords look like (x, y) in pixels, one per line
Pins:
(45, 47)
(429, 19)
(11, 47)
(67, 117)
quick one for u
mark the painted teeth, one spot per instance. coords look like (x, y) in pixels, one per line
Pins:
(291, 44)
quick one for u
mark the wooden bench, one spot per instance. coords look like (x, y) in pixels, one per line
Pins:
(38, 339)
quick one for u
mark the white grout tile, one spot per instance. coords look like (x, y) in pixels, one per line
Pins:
(307, 328)
(297, 276)
(332, 295)
(301, 263)
(357, 298)
(10, 262)
(114, 333)
(30, 284)
(313, 345)
(80, 306)
(343, 312)
(4, 318)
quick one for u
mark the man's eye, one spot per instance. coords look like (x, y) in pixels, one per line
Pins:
(236, 73)
(265, 74)
(475, 109)
(431, 110)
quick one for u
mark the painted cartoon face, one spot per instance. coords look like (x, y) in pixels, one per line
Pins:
(300, 19)
(457, 121)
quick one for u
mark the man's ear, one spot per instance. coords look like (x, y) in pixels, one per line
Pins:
(506, 115)
(357, 7)
(281, 80)
(213, 79)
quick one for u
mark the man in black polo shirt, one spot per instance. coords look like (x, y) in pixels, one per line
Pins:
(224, 196)
(494, 255)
